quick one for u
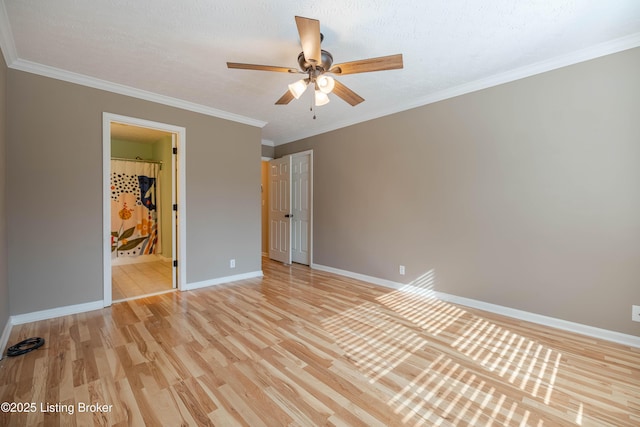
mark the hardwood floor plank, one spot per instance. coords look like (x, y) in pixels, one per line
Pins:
(135, 280)
(303, 347)
(193, 405)
(126, 406)
(240, 408)
(302, 405)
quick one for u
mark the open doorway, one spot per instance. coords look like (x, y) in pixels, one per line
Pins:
(143, 188)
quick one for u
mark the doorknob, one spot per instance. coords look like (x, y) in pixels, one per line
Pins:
(288, 216)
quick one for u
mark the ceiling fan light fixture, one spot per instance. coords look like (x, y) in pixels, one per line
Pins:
(298, 88)
(321, 98)
(325, 83)
(315, 62)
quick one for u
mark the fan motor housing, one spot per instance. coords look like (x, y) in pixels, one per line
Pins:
(324, 65)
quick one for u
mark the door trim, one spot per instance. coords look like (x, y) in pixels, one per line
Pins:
(180, 252)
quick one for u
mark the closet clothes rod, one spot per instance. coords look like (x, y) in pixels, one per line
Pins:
(138, 160)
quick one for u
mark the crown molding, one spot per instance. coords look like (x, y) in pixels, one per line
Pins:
(83, 80)
(7, 44)
(603, 49)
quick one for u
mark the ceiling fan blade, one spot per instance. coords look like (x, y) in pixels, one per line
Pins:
(349, 96)
(309, 30)
(285, 99)
(241, 66)
(391, 62)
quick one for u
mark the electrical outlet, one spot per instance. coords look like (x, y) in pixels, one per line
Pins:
(635, 313)
(232, 263)
(401, 270)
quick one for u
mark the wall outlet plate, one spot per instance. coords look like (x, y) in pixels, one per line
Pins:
(635, 313)
(232, 263)
(401, 270)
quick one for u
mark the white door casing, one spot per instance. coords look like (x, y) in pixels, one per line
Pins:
(178, 196)
(279, 209)
(174, 217)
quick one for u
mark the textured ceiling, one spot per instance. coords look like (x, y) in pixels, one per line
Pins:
(177, 51)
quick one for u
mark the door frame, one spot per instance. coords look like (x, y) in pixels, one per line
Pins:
(178, 168)
(291, 156)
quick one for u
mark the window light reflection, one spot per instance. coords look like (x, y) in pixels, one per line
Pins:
(378, 343)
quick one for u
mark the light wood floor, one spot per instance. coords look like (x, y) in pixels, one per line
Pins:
(306, 348)
(134, 280)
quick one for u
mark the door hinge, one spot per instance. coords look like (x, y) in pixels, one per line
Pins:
(175, 150)
(175, 262)
(175, 207)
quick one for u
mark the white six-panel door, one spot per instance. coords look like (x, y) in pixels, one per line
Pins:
(280, 209)
(301, 208)
(290, 208)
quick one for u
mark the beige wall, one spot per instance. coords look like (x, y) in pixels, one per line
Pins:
(268, 151)
(4, 285)
(523, 195)
(54, 203)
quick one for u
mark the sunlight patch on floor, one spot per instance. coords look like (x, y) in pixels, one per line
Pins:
(448, 391)
(373, 340)
(417, 302)
(445, 391)
(525, 363)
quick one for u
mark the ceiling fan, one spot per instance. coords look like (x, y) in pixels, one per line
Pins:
(317, 63)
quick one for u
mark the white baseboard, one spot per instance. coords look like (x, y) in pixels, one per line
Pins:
(56, 312)
(98, 305)
(358, 276)
(553, 322)
(221, 280)
(4, 338)
(591, 331)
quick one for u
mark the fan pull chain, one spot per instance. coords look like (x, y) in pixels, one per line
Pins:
(312, 109)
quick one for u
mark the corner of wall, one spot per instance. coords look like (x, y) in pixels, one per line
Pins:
(5, 324)
(4, 338)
